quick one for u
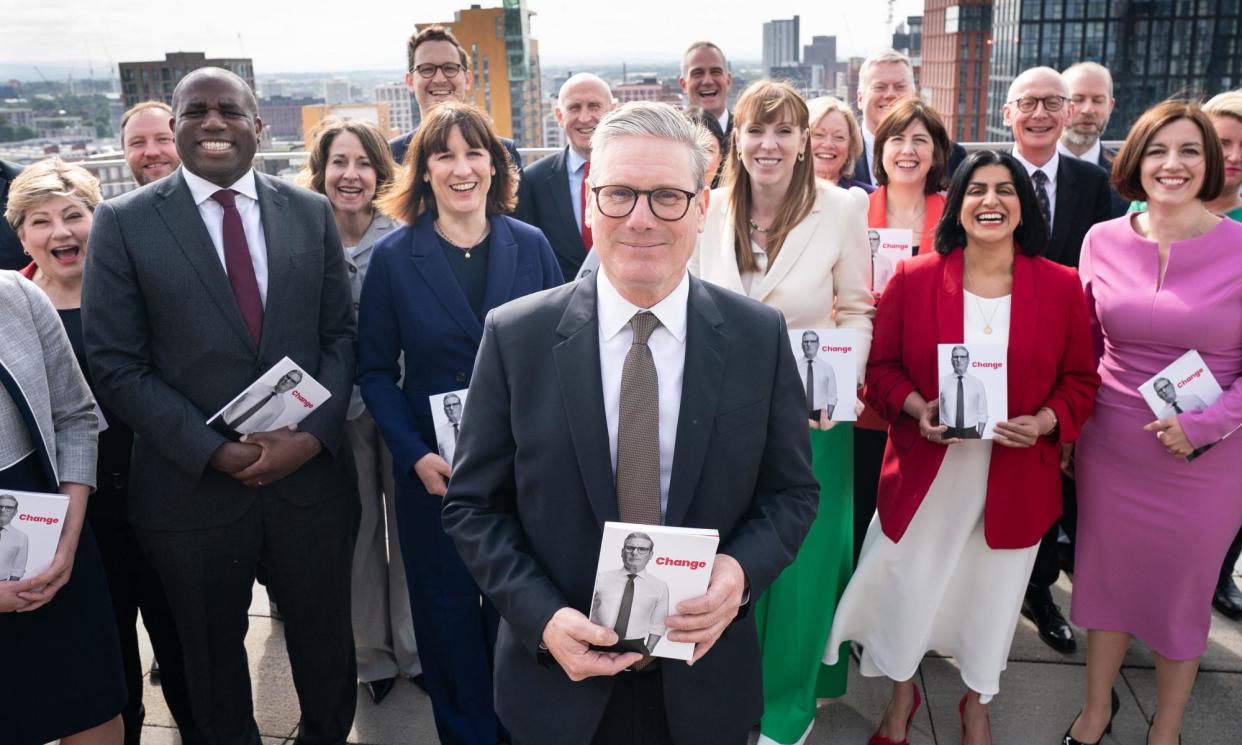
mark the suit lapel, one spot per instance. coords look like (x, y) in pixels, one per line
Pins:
(796, 242)
(557, 185)
(1067, 196)
(723, 251)
(501, 267)
(429, 261)
(577, 369)
(279, 255)
(1023, 310)
(180, 215)
(706, 344)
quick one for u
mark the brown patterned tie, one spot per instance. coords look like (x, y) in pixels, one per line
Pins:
(638, 429)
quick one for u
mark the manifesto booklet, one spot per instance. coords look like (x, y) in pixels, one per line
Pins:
(284, 395)
(974, 389)
(644, 572)
(1184, 386)
(30, 525)
(828, 365)
(889, 246)
(446, 411)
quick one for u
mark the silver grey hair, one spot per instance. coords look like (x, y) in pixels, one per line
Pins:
(880, 58)
(652, 120)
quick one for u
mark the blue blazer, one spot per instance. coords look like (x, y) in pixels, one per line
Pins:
(412, 304)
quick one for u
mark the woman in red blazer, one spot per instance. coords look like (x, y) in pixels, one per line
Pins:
(946, 562)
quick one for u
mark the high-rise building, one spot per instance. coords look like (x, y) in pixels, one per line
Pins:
(847, 80)
(1153, 49)
(505, 61)
(822, 51)
(155, 80)
(375, 113)
(781, 44)
(336, 90)
(400, 105)
(956, 46)
(282, 115)
(908, 39)
(553, 135)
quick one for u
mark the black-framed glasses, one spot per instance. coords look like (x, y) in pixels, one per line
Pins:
(666, 203)
(428, 70)
(1027, 104)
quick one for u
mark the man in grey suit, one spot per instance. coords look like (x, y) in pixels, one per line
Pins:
(196, 284)
(552, 190)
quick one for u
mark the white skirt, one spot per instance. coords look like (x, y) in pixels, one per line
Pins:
(940, 588)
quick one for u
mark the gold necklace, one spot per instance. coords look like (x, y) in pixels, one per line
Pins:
(987, 320)
(464, 249)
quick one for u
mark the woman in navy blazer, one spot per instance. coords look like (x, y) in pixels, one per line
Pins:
(946, 562)
(426, 294)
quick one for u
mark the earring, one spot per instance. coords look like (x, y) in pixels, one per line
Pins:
(801, 156)
(493, 171)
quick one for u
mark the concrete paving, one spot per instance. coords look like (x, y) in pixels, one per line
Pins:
(1041, 692)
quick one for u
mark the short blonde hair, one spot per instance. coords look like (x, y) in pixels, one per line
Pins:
(825, 105)
(1228, 103)
(49, 178)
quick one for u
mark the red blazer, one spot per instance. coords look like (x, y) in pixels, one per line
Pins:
(877, 216)
(1051, 363)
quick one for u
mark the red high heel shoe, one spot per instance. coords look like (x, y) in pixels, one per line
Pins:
(878, 739)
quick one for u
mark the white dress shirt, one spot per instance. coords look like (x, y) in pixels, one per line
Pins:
(724, 121)
(575, 167)
(14, 547)
(1050, 170)
(974, 404)
(648, 610)
(247, 201)
(668, 348)
(1092, 155)
(825, 382)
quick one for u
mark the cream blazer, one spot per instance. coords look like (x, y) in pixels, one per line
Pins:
(821, 277)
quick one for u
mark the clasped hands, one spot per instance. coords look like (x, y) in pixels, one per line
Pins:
(1019, 432)
(569, 634)
(266, 457)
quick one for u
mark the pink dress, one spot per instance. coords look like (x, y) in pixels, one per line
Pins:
(1153, 529)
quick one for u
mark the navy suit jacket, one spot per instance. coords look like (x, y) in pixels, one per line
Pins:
(412, 303)
(399, 145)
(1082, 201)
(1119, 205)
(534, 485)
(11, 256)
(545, 202)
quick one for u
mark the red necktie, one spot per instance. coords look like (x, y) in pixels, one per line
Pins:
(586, 228)
(238, 265)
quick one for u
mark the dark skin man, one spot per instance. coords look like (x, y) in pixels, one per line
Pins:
(216, 126)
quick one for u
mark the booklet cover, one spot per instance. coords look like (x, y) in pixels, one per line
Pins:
(30, 525)
(1185, 385)
(974, 389)
(888, 247)
(644, 572)
(283, 395)
(828, 364)
(446, 411)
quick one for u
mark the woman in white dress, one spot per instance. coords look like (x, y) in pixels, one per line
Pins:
(946, 561)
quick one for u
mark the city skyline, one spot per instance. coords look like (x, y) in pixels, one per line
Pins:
(109, 32)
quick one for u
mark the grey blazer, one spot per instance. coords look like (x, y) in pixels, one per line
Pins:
(37, 355)
(168, 346)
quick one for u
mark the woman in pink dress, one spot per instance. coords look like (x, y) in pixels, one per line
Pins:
(1152, 525)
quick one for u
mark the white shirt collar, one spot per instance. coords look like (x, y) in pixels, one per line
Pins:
(615, 311)
(202, 189)
(1091, 156)
(724, 121)
(574, 161)
(1049, 168)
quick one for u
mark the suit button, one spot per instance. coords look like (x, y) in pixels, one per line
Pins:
(460, 377)
(355, 306)
(352, 269)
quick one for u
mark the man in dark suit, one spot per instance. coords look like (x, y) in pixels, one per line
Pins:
(884, 79)
(11, 254)
(606, 430)
(552, 193)
(1073, 196)
(196, 285)
(439, 70)
(706, 81)
(1090, 88)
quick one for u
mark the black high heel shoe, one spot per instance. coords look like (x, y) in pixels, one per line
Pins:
(1148, 738)
(1068, 740)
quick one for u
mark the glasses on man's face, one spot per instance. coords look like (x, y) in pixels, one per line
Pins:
(8, 507)
(637, 549)
(666, 203)
(1027, 104)
(428, 70)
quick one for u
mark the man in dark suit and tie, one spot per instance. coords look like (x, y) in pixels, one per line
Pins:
(11, 254)
(1090, 88)
(439, 70)
(1073, 196)
(884, 79)
(195, 286)
(706, 81)
(552, 192)
(605, 429)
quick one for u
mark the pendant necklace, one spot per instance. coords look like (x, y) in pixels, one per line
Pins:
(987, 319)
(464, 249)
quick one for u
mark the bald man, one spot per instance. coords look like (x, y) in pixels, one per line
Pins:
(552, 195)
(1091, 94)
